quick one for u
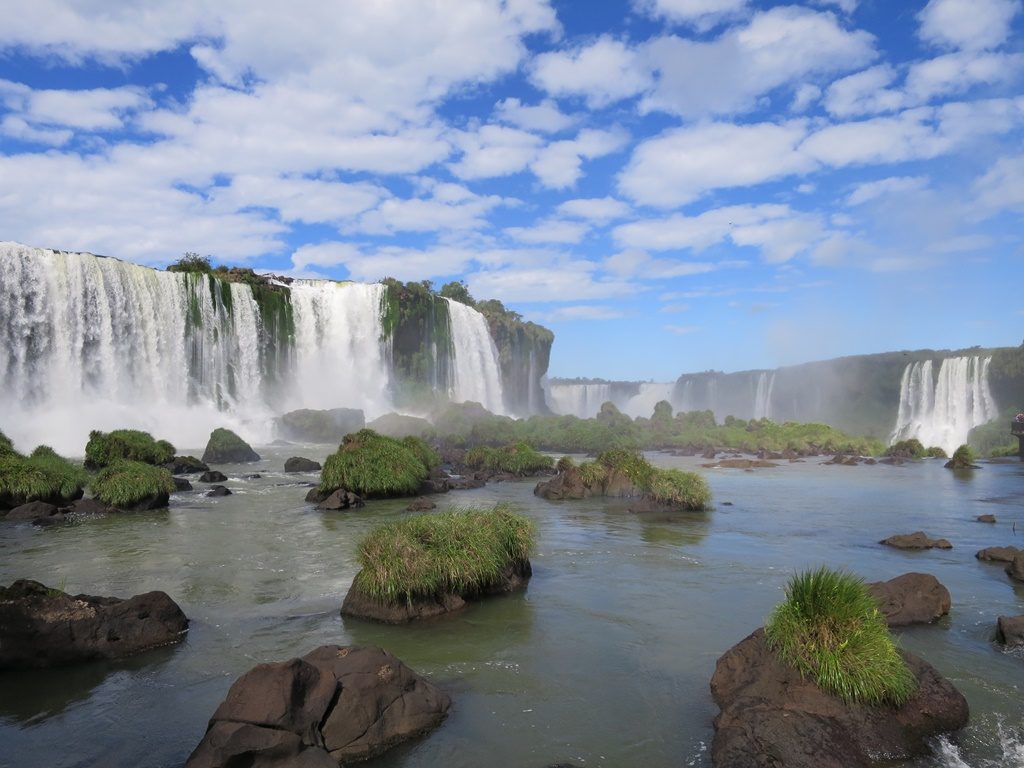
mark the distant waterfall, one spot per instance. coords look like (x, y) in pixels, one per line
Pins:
(763, 396)
(650, 394)
(477, 376)
(582, 400)
(941, 410)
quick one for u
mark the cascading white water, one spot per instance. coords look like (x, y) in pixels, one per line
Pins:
(582, 400)
(95, 343)
(340, 357)
(763, 396)
(941, 410)
(476, 373)
(650, 394)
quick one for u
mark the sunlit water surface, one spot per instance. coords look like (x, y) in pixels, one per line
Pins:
(604, 660)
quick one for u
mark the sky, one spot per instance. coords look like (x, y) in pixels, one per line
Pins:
(669, 185)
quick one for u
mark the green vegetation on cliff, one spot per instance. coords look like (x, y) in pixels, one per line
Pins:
(461, 552)
(829, 627)
(126, 483)
(373, 465)
(104, 448)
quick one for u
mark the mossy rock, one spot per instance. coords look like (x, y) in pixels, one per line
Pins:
(518, 459)
(225, 447)
(105, 448)
(963, 458)
(133, 486)
(43, 476)
(375, 466)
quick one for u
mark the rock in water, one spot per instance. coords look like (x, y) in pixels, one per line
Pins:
(299, 464)
(218, 490)
(42, 627)
(771, 717)
(185, 465)
(916, 540)
(998, 554)
(334, 705)
(213, 476)
(340, 499)
(225, 447)
(1016, 567)
(913, 598)
(31, 511)
(986, 518)
(1010, 630)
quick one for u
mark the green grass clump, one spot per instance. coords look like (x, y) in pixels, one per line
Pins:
(829, 627)
(373, 465)
(963, 458)
(516, 459)
(935, 452)
(680, 489)
(630, 463)
(40, 477)
(125, 483)
(907, 449)
(5, 443)
(564, 463)
(104, 448)
(461, 551)
(424, 452)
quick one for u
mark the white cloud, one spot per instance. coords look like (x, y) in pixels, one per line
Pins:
(680, 165)
(602, 72)
(582, 312)
(894, 185)
(549, 231)
(597, 209)
(967, 24)
(558, 281)
(846, 6)
(779, 240)
(957, 72)
(545, 116)
(681, 330)
(673, 309)
(778, 47)
(299, 199)
(864, 93)
(451, 207)
(559, 164)
(701, 14)
(638, 264)
(1001, 188)
(805, 95)
(16, 128)
(96, 109)
(494, 150)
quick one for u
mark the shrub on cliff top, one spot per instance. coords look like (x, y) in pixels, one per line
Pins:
(461, 551)
(373, 465)
(829, 627)
(104, 448)
(126, 483)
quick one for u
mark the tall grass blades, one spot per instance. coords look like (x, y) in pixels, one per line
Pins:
(43, 475)
(829, 627)
(374, 465)
(461, 551)
(516, 459)
(104, 448)
(126, 483)
(687, 490)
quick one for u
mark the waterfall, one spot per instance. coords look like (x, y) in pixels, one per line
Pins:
(941, 410)
(763, 396)
(340, 357)
(650, 394)
(476, 375)
(582, 400)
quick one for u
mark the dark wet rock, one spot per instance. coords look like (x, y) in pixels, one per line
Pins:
(514, 578)
(986, 518)
(320, 426)
(740, 464)
(300, 464)
(46, 522)
(1010, 631)
(341, 499)
(31, 511)
(145, 504)
(421, 505)
(466, 481)
(916, 540)
(86, 507)
(181, 484)
(225, 447)
(567, 484)
(315, 495)
(772, 717)
(869, 461)
(1015, 569)
(843, 460)
(437, 482)
(709, 453)
(42, 627)
(218, 490)
(213, 476)
(185, 465)
(253, 476)
(726, 503)
(895, 461)
(998, 554)
(335, 705)
(913, 598)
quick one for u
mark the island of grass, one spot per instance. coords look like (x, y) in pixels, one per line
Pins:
(40, 476)
(104, 448)
(133, 486)
(429, 565)
(518, 459)
(374, 466)
(620, 473)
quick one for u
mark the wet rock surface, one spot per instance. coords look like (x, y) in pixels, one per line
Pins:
(913, 598)
(916, 540)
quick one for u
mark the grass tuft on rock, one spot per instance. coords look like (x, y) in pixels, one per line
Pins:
(373, 465)
(424, 452)
(5, 443)
(680, 489)
(963, 458)
(460, 551)
(829, 627)
(516, 459)
(42, 476)
(126, 483)
(104, 448)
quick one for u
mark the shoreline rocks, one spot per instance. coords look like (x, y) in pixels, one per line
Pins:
(770, 716)
(916, 540)
(333, 706)
(912, 598)
(42, 627)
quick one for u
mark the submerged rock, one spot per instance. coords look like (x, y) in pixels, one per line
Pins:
(916, 540)
(30, 511)
(740, 464)
(185, 465)
(421, 505)
(1010, 631)
(333, 706)
(225, 447)
(913, 598)
(772, 717)
(42, 627)
(998, 554)
(986, 518)
(340, 499)
(213, 476)
(300, 464)
(181, 484)
(218, 490)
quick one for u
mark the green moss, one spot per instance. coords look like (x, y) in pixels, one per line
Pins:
(132, 444)
(686, 490)
(43, 476)
(829, 627)
(516, 459)
(373, 465)
(224, 446)
(126, 483)
(461, 552)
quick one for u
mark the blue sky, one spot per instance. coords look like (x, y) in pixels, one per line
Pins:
(670, 185)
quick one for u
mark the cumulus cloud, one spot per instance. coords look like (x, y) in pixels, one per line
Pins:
(602, 72)
(967, 24)
(549, 231)
(701, 14)
(600, 210)
(893, 185)
(545, 116)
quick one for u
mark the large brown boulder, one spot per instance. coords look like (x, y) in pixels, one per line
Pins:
(363, 606)
(1016, 567)
(998, 554)
(1010, 630)
(341, 499)
(916, 540)
(42, 627)
(913, 598)
(771, 717)
(567, 484)
(334, 705)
